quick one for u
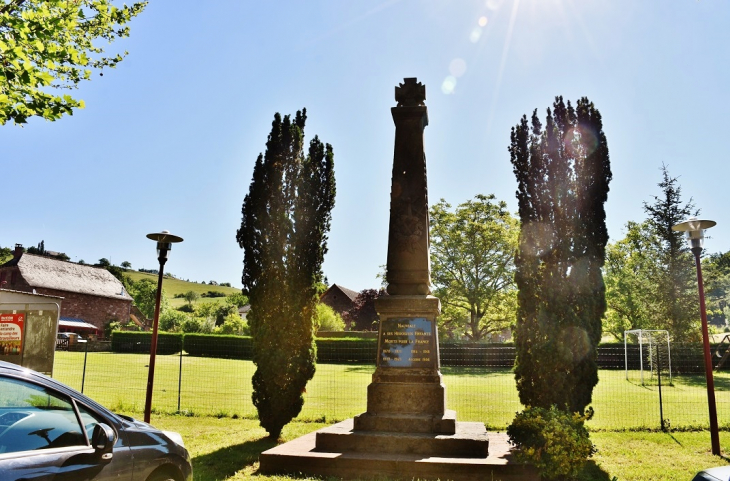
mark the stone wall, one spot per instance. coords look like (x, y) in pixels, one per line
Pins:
(95, 310)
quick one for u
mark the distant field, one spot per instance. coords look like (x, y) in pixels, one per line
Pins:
(176, 286)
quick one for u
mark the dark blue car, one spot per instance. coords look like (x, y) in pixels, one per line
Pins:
(50, 432)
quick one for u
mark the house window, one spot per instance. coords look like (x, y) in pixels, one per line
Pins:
(2, 279)
(13, 277)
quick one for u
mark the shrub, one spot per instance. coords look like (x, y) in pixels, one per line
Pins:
(172, 320)
(191, 324)
(233, 324)
(326, 319)
(555, 441)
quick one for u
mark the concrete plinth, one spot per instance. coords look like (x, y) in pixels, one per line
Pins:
(302, 456)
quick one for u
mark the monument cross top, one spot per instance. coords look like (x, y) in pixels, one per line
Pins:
(411, 93)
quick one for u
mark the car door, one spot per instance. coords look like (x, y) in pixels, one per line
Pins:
(45, 436)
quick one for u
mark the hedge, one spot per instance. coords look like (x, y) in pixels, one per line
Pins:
(686, 358)
(346, 351)
(214, 345)
(129, 341)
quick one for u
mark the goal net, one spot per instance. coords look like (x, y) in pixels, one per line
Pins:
(647, 354)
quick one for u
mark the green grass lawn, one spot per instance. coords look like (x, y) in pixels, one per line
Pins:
(222, 387)
(225, 439)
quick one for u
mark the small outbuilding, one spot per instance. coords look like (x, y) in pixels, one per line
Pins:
(28, 327)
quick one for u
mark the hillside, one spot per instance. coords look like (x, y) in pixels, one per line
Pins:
(171, 287)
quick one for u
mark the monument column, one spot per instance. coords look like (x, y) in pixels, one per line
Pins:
(408, 267)
(407, 393)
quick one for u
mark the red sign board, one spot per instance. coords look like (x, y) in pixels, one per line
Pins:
(11, 333)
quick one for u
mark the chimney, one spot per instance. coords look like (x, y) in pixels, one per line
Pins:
(18, 251)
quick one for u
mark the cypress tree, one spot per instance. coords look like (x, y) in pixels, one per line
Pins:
(285, 220)
(563, 172)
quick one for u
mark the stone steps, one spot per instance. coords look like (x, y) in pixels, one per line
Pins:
(301, 457)
(469, 441)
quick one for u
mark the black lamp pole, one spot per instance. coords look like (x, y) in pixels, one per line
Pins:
(164, 244)
(694, 229)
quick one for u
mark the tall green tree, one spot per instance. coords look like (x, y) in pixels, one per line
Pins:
(283, 233)
(563, 172)
(472, 264)
(677, 284)
(144, 293)
(49, 46)
(631, 273)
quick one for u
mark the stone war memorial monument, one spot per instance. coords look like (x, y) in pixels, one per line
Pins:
(406, 432)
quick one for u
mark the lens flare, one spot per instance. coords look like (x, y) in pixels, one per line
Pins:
(539, 238)
(494, 4)
(448, 85)
(573, 344)
(457, 67)
(483, 21)
(475, 35)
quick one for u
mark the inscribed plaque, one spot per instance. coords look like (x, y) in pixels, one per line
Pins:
(407, 342)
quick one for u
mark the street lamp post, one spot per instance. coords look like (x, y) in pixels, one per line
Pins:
(164, 244)
(694, 228)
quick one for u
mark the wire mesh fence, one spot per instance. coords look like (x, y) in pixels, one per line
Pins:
(479, 383)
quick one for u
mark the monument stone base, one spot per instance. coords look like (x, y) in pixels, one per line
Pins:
(377, 455)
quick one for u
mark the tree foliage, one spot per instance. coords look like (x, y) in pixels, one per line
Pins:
(650, 274)
(190, 297)
(144, 293)
(631, 274)
(52, 45)
(678, 304)
(472, 264)
(563, 172)
(6, 253)
(716, 276)
(362, 316)
(327, 320)
(283, 233)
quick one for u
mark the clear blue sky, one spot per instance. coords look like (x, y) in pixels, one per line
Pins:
(168, 140)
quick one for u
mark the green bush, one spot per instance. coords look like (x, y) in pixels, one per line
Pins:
(235, 325)
(326, 319)
(172, 320)
(555, 441)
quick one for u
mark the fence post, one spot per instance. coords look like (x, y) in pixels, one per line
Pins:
(659, 379)
(179, 380)
(83, 376)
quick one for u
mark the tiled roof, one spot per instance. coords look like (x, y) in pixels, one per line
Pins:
(348, 292)
(39, 271)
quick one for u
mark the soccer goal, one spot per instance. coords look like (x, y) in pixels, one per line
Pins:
(654, 352)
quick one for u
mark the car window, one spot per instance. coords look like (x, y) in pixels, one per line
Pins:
(33, 417)
(88, 419)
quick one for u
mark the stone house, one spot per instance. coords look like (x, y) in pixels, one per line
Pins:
(90, 294)
(339, 298)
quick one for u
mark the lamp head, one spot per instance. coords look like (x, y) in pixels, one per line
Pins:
(694, 230)
(164, 243)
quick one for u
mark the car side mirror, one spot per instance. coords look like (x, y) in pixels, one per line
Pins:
(102, 440)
